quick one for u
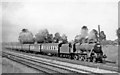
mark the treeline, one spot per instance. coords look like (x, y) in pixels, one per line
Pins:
(43, 36)
(109, 42)
(91, 37)
(114, 42)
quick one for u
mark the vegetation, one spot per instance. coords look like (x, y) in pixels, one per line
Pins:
(26, 36)
(43, 36)
(102, 36)
(57, 37)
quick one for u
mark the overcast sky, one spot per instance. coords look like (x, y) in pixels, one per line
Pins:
(64, 16)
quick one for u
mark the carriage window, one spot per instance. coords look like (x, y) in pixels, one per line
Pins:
(56, 48)
(41, 47)
(51, 47)
(47, 47)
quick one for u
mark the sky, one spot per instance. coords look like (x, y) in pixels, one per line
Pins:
(63, 16)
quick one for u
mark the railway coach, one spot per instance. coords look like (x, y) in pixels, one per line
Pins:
(35, 47)
(57, 49)
(25, 47)
(50, 48)
(18, 46)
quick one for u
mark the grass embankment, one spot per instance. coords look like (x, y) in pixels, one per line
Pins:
(112, 52)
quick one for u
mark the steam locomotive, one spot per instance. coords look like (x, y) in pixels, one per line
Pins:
(85, 52)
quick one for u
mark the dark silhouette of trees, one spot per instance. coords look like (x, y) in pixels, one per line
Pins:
(41, 36)
(64, 39)
(50, 38)
(57, 37)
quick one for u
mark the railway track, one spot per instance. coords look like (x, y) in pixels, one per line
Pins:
(42, 66)
(52, 66)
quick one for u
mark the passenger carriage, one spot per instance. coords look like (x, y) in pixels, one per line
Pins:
(25, 47)
(35, 47)
(50, 48)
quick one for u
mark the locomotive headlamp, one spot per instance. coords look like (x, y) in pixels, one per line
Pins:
(60, 41)
(98, 45)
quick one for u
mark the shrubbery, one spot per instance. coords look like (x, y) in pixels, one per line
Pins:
(26, 36)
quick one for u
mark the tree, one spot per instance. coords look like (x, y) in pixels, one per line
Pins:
(26, 36)
(102, 36)
(57, 37)
(96, 33)
(41, 36)
(50, 38)
(24, 30)
(64, 38)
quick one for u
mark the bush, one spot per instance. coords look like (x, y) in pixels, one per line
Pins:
(41, 36)
(26, 37)
(57, 37)
(64, 38)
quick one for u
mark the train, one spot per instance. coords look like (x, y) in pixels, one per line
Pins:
(89, 52)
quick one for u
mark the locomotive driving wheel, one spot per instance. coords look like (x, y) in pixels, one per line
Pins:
(94, 60)
(76, 57)
(88, 60)
(81, 58)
